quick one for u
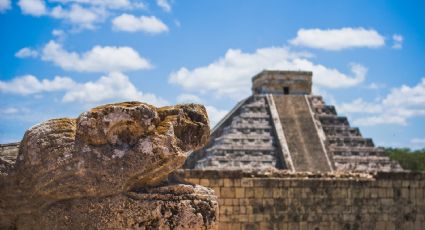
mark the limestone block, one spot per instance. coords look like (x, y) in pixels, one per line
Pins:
(109, 149)
(168, 207)
(108, 169)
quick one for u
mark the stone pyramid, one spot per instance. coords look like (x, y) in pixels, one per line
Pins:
(283, 126)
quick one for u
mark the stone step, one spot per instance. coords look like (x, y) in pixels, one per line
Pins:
(333, 120)
(250, 126)
(242, 147)
(217, 153)
(303, 141)
(326, 110)
(341, 130)
(254, 115)
(357, 151)
(358, 141)
(242, 136)
(367, 165)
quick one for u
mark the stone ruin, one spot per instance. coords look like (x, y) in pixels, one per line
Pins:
(281, 159)
(283, 126)
(107, 169)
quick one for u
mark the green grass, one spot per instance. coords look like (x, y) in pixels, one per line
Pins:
(408, 159)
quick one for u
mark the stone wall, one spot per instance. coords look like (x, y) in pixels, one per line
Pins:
(8, 153)
(274, 82)
(281, 200)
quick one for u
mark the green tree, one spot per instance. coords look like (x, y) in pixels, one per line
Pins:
(408, 159)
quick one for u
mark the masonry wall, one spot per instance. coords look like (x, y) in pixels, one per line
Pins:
(8, 153)
(316, 201)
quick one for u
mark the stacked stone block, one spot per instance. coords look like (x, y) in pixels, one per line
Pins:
(387, 200)
(306, 135)
(350, 150)
(8, 153)
(247, 142)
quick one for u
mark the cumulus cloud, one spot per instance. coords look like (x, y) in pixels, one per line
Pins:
(13, 110)
(397, 41)
(188, 98)
(375, 86)
(164, 4)
(230, 76)
(33, 7)
(26, 52)
(383, 119)
(407, 96)
(112, 4)
(215, 115)
(83, 18)
(114, 86)
(5, 5)
(418, 141)
(338, 39)
(9, 110)
(131, 23)
(98, 59)
(360, 106)
(29, 84)
(58, 33)
(80, 14)
(397, 107)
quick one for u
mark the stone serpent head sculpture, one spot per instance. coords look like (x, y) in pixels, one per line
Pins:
(109, 149)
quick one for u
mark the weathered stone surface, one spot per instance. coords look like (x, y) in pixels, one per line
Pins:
(283, 126)
(247, 142)
(168, 207)
(84, 168)
(8, 153)
(109, 149)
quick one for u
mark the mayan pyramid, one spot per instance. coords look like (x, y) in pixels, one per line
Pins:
(282, 125)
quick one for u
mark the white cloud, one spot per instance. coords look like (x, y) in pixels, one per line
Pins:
(131, 23)
(164, 4)
(230, 76)
(5, 5)
(29, 84)
(114, 86)
(407, 96)
(13, 110)
(397, 107)
(9, 110)
(26, 52)
(360, 106)
(215, 115)
(384, 119)
(338, 39)
(80, 14)
(58, 33)
(397, 41)
(375, 86)
(112, 4)
(83, 18)
(98, 59)
(33, 7)
(107, 4)
(418, 141)
(177, 23)
(188, 98)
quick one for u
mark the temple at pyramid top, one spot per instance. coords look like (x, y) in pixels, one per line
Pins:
(282, 82)
(283, 126)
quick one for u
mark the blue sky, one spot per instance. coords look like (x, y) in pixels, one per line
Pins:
(60, 57)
